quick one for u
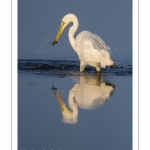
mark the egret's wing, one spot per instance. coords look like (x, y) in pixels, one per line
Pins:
(96, 41)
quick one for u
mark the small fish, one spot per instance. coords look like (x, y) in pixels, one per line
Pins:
(53, 43)
(54, 88)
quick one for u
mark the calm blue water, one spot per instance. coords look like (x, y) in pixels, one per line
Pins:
(60, 108)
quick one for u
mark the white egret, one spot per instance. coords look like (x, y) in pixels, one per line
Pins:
(90, 92)
(90, 48)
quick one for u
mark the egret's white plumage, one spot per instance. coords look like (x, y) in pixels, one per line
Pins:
(90, 92)
(90, 48)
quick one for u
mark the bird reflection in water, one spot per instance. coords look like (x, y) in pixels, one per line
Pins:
(89, 93)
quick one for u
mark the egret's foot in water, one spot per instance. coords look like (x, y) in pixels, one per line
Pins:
(98, 69)
(97, 72)
(82, 66)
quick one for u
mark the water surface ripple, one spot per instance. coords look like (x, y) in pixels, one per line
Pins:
(64, 68)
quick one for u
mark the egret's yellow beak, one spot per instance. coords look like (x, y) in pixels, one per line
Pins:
(62, 105)
(59, 33)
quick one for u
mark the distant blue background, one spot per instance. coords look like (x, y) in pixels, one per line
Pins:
(39, 21)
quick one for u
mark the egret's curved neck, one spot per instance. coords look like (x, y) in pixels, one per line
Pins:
(72, 31)
(73, 105)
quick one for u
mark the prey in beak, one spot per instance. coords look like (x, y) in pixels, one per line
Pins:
(59, 33)
(53, 43)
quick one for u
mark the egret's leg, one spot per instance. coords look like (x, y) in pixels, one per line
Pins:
(82, 66)
(98, 69)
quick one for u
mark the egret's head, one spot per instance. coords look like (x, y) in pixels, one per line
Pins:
(65, 21)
